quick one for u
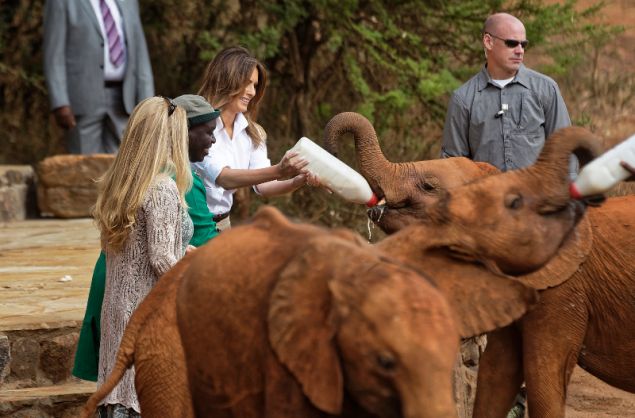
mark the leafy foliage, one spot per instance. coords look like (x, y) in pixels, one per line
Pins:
(393, 61)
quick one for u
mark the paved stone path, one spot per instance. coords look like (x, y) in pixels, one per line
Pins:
(35, 257)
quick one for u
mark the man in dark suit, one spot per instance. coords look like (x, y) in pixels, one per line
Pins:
(97, 69)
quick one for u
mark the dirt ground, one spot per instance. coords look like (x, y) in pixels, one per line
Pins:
(589, 397)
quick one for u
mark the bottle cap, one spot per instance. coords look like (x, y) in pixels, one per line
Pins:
(372, 201)
(573, 191)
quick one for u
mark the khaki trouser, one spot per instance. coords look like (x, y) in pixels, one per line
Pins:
(223, 224)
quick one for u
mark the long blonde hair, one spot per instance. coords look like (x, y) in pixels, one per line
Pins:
(154, 144)
(226, 77)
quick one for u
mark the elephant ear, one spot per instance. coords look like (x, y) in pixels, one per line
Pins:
(268, 217)
(481, 299)
(573, 252)
(302, 326)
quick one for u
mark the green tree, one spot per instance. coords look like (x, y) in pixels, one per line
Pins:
(393, 61)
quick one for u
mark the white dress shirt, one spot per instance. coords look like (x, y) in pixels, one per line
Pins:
(236, 153)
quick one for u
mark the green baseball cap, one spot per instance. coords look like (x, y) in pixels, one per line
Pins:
(197, 108)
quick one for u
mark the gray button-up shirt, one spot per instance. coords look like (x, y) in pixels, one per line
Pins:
(476, 128)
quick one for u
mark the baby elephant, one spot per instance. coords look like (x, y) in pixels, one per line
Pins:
(317, 323)
(289, 320)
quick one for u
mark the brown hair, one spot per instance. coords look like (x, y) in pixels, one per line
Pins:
(226, 77)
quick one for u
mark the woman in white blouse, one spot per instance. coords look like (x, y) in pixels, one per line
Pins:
(235, 83)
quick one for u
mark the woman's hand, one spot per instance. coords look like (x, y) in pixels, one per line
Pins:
(299, 181)
(314, 181)
(291, 165)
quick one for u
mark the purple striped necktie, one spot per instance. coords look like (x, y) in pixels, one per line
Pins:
(114, 41)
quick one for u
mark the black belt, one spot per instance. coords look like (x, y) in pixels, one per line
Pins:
(112, 84)
(220, 217)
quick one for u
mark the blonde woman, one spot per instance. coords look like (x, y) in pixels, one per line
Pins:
(235, 83)
(142, 215)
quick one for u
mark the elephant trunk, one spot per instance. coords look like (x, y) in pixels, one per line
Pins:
(433, 402)
(552, 167)
(427, 392)
(372, 163)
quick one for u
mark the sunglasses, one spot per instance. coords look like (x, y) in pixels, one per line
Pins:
(171, 105)
(510, 43)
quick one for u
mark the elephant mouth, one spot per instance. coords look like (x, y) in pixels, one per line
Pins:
(376, 212)
(579, 209)
(387, 218)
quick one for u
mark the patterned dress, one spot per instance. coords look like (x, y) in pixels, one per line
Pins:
(157, 241)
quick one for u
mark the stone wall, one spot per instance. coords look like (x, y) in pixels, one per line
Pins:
(465, 374)
(30, 358)
(17, 193)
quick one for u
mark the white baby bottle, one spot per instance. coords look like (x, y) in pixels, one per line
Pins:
(334, 174)
(604, 172)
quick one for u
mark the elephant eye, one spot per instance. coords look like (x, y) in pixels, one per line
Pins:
(386, 361)
(400, 204)
(427, 186)
(513, 201)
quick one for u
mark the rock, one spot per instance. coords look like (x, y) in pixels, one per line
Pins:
(5, 357)
(465, 374)
(72, 170)
(17, 193)
(471, 350)
(25, 353)
(36, 358)
(464, 389)
(56, 356)
(58, 401)
(66, 184)
(63, 202)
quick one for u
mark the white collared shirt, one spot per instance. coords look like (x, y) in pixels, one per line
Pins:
(110, 72)
(236, 153)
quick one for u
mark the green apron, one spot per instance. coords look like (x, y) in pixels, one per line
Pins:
(87, 354)
(202, 218)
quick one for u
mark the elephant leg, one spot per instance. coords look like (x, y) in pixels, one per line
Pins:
(553, 333)
(500, 373)
(160, 373)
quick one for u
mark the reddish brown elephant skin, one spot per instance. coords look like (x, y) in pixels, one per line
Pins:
(552, 211)
(588, 320)
(151, 343)
(338, 259)
(248, 358)
(586, 316)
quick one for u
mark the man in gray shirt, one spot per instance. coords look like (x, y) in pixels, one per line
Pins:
(503, 114)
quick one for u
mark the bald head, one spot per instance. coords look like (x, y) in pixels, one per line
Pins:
(501, 22)
(504, 41)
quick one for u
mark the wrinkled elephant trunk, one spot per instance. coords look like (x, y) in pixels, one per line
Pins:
(552, 167)
(372, 163)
